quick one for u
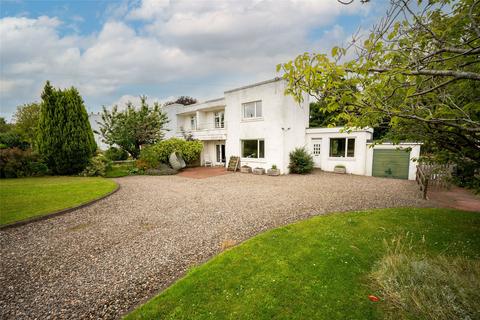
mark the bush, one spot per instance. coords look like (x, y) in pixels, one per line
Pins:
(467, 174)
(16, 163)
(160, 152)
(98, 166)
(116, 154)
(162, 170)
(301, 161)
(12, 139)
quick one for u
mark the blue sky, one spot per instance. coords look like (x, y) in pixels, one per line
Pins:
(114, 51)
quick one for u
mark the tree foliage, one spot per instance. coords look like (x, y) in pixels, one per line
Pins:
(419, 70)
(133, 127)
(65, 138)
(185, 100)
(26, 121)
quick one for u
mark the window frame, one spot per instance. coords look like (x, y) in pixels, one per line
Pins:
(258, 105)
(259, 142)
(345, 151)
(193, 122)
(219, 119)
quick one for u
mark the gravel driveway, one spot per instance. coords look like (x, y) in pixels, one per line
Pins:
(102, 260)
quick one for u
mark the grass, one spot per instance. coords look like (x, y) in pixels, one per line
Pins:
(24, 198)
(321, 268)
(417, 285)
(119, 170)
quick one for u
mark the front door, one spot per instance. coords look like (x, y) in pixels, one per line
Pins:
(220, 150)
(316, 148)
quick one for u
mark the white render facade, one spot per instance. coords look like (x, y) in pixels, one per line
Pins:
(262, 125)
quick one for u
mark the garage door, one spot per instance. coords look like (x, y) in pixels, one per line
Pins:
(391, 163)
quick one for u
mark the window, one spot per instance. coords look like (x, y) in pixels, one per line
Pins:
(342, 147)
(193, 122)
(253, 149)
(316, 149)
(219, 119)
(252, 110)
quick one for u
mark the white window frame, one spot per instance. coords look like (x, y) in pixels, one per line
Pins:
(193, 122)
(258, 148)
(346, 156)
(257, 105)
(220, 117)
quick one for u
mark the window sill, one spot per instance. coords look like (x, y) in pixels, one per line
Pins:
(252, 119)
(342, 158)
(256, 160)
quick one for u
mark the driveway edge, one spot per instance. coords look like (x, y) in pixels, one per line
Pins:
(58, 213)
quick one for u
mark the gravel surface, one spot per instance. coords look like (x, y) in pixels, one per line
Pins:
(103, 260)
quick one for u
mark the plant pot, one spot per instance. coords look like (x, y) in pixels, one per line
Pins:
(245, 169)
(273, 172)
(259, 171)
(340, 170)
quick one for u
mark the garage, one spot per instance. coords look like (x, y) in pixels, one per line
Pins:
(391, 163)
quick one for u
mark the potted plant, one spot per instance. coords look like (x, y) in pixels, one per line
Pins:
(340, 168)
(273, 171)
(245, 169)
(258, 171)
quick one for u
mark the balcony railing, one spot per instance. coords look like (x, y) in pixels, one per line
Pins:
(205, 126)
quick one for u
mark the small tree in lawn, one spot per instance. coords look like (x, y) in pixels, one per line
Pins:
(26, 121)
(133, 127)
(65, 138)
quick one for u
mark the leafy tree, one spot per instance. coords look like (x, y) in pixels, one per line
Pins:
(26, 121)
(418, 70)
(65, 138)
(4, 126)
(185, 100)
(133, 127)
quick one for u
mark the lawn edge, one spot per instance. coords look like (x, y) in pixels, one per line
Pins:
(59, 212)
(184, 274)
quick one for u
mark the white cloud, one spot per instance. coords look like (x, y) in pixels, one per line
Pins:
(169, 41)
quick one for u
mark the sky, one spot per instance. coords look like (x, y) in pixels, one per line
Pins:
(115, 51)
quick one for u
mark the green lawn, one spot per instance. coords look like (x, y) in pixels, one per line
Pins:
(319, 268)
(119, 170)
(25, 198)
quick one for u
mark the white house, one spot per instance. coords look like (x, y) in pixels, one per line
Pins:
(262, 125)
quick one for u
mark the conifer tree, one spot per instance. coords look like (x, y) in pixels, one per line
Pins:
(65, 138)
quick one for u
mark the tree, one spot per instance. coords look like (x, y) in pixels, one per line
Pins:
(185, 100)
(4, 126)
(26, 121)
(132, 128)
(419, 69)
(65, 138)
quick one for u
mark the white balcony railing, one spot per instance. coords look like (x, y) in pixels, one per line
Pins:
(205, 126)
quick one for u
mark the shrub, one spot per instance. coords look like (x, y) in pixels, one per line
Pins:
(467, 174)
(98, 166)
(160, 152)
(16, 163)
(301, 161)
(116, 154)
(12, 139)
(162, 170)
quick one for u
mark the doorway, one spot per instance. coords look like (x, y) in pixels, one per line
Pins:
(220, 152)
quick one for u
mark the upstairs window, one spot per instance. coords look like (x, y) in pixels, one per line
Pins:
(219, 119)
(254, 149)
(252, 110)
(193, 122)
(342, 147)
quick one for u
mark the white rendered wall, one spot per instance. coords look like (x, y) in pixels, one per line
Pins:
(278, 111)
(354, 165)
(414, 154)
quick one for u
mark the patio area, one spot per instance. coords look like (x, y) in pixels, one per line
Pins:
(203, 172)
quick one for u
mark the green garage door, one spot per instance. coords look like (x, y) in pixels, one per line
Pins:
(391, 163)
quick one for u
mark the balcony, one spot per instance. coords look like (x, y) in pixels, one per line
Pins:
(207, 131)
